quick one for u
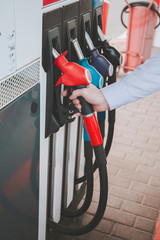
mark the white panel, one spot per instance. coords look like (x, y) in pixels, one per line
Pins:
(57, 179)
(28, 31)
(7, 39)
(72, 161)
(44, 155)
(81, 164)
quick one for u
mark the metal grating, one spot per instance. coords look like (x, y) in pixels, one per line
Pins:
(13, 87)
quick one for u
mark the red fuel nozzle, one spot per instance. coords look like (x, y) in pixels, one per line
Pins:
(77, 76)
(73, 74)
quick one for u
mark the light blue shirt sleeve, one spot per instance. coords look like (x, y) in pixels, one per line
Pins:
(140, 83)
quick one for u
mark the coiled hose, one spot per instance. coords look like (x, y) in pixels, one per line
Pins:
(100, 156)
(97, 143)
(88, 153)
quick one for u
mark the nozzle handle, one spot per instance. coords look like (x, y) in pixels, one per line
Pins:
(55, 53)
(87, 109)
(89, 41)
(100, 34)
(77, 48)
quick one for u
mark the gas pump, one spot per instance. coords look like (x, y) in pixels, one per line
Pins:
(78, 77)
(45, 145)
(20, 47)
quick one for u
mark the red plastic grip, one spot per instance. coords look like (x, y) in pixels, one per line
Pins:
(93, 130)
(73, 74)
(47, 2)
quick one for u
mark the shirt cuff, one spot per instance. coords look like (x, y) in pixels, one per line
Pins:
(116, 95)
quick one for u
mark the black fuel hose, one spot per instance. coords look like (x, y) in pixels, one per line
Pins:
(111, 124)
(110, 134)
(101, 159)
(88, 153)
(143, 4)
(111, 118)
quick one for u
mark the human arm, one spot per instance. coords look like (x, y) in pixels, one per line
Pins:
(140, 83)
(92, 95)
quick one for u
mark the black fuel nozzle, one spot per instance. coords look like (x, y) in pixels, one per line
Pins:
(108, 51)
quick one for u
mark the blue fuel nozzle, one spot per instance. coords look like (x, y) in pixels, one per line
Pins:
(97, 78)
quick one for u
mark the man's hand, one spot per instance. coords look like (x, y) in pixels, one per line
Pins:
(92, 95)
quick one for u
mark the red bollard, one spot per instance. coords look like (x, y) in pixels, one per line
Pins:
(141, 28)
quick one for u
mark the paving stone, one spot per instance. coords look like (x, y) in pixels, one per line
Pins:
(145, 224)
(126, 194)
(141, 235)
(114, 202)
(137, 126)
(140, 210)
(114, 180)
(138, 108)
(153, 142)
(124, 164)
(112, 170)
(141, 132)
(155, 181)
(122, 231)
(150, 117)
(152, 202)
(95, 235)
(95, 196)
(152, 133)
(123, 122)
(119, 216)
(128, 149)
(151, 154)
(133, 176)
(157, 164)
(119, 154)
(122, 111)
(138, 120)
(137, 116)
(129, 130)
(145, 188)
(147, 146)
(155, 129)
(140, 160)
(118, 132)
(136, 137)
(123, 140)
